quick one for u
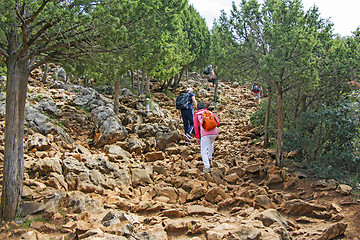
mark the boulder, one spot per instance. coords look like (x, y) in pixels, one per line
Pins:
(270, 216)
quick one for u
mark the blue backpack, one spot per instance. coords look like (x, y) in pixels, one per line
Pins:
(206, 71)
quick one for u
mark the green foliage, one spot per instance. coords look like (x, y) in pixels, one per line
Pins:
(199, 37)
(325, 139)
(27, 223)
(3, 70)
(258, 118)
(169, 94)
(38, 98)
(85, 109)
(355, 183)
(302, 66)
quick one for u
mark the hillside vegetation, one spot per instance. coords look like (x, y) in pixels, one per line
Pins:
(92, 174)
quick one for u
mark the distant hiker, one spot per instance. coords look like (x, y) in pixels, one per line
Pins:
(210, 75)
(184, 103)
(257, 91)
(205, 138)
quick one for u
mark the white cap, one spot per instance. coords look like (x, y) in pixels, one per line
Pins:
(189, 89)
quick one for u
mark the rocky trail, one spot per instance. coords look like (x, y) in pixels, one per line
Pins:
(91, 174)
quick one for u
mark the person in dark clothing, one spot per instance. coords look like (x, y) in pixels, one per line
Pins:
(187, 115)
(210, 77)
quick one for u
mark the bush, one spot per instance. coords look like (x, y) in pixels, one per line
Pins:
(258, 118)
(326, 140)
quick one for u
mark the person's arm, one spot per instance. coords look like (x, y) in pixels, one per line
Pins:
(194, 101)
(180, 113)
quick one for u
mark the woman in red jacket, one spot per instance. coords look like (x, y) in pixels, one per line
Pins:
(205, 138)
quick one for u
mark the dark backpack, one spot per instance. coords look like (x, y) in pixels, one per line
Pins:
(182, 101)
(206, 71)
(255, 88)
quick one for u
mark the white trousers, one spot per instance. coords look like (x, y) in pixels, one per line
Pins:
(207, 148)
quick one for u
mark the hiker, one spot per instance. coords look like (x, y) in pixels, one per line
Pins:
(257, 91)
(205, 138)
(210, 75)
(207, 106)
(186, 113)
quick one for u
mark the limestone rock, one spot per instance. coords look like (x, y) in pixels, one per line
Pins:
(333, 231)
(140, 176)
(212, 195)
(269, 217)
(263, 201)
(200, 210)
(344, 189)
(300, 207)
(154, 156)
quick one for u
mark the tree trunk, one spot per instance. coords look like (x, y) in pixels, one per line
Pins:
(132, 80)
(179, 78)
(116, 95)
(147, 86)
(170, 83)
(216, 88)
(280, 137)
(266, 125)
(138, 81)
(174, 81)
(142, 82)
(13, 171)
(46, 69)
(164, 85)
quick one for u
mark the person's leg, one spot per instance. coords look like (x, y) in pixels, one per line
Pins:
(211, 146)
(258, 97)
(204, 145)
(208, 84)
(191, 123)
(184, 117)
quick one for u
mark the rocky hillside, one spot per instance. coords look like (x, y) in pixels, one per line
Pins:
(91, 174)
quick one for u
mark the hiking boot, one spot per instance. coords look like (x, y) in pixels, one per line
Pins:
(188, 137)
(207, 170)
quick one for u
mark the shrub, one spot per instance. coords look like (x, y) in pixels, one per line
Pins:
(326, 139)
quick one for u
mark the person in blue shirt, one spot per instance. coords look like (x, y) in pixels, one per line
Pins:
(187, 115)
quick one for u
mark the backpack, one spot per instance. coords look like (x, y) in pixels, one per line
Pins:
(182, 101)
(255, 88)
(209, 121)
(206, 71)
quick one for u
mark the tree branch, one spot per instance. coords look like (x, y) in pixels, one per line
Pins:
(25, 23)
(3, 53)
(31, 19)
(53, 37)
(23, 28)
